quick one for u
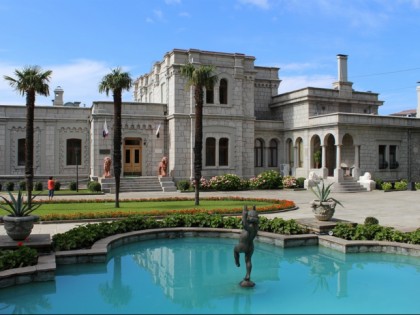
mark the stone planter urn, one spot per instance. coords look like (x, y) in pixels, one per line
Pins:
(19, 228)
(323, 211)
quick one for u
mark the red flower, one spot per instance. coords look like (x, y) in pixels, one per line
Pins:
(20, 244)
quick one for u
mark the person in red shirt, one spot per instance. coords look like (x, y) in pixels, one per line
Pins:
(51, 184)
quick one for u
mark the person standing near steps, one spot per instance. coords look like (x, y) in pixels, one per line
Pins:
(51, 184)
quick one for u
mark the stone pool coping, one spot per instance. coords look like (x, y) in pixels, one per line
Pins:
(45, 269)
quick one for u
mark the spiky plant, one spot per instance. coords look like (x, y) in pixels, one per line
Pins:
(17, 206)
(323, 193)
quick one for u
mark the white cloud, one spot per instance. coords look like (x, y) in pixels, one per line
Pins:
(291, 83)
(172, 1)
(263, 4)
(184, 14)
(79, 80)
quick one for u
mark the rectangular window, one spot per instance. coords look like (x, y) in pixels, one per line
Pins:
(258, 153)
(210, 152)
(74, 151)
(209, 96)
(393, 164)
(383, 164)
(272, 151)
(21, 152)
(224, 152)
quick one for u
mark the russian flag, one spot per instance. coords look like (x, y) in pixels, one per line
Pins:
(158, 131)
(105, 131)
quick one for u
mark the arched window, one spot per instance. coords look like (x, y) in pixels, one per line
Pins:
(210, 152)
(209, 96)
(259, 153)
(272, 153)
(223, 91)
(74, 151)
(223, 152)
(21, 152)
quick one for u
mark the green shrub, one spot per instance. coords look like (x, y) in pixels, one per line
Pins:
(386, 186)
(378, 183)
(85, 236)
(21, 257)
(10, 186)
(183, 185)
(57, 185)
(73, 186)
(94, 186)
(371, 220)
(344, 230)
(401, 185)
(22, 185)
(300, 182)
(38, 186)
(417, 185)
(266, 180)
(366, 232)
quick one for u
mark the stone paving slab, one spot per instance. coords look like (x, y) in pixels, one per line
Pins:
(400, 210)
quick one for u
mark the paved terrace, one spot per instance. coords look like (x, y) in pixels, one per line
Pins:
(400, 210)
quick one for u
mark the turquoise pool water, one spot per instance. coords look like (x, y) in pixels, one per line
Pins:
(198, 275)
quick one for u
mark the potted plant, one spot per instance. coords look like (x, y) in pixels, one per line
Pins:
(317, 158)
(324, 206)
(19, 223)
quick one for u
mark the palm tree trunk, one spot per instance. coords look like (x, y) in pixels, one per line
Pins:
(198, 144)
(29, 144)
(117, 145)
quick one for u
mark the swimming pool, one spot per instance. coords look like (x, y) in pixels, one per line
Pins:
(198, 275)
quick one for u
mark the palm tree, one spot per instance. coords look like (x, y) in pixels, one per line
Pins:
(30, 80)
(198, 78)
(116, 81)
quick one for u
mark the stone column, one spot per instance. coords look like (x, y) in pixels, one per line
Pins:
(295, 160)
(356, 170)
(338, 172)
(324, 162)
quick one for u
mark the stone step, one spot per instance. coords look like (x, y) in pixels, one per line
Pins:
(349, 185)
(138, 184)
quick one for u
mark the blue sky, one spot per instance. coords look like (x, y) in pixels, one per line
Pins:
(82, 40)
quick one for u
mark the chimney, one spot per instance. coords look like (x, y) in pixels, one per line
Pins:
(58, 96)
(343, 86)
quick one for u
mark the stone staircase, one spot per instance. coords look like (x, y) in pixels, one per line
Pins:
(139, 184)
(348, 185)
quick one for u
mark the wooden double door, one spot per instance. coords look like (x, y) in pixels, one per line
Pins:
(133, 156)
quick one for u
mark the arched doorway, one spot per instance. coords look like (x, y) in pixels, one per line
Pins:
(347, 155)
(316, 152)
(132, 157)
(330, 154)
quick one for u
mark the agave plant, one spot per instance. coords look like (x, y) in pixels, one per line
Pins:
(323, 193)
(17, 206)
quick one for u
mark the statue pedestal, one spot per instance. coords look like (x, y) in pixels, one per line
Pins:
(247, 284)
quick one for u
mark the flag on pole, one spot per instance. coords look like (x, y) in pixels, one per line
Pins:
(157, 131)
(105, 131)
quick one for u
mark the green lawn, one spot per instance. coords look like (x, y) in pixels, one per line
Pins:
(143, 206)
(68, 192)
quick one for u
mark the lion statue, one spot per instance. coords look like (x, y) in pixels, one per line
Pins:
(163, 165)
(107, 166)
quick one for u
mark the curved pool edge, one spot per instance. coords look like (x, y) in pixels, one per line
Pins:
(46, 267)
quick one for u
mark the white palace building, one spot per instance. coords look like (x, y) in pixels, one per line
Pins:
(247, 128)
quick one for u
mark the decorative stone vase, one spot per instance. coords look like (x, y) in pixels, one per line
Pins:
(323, 211)
(19, 228)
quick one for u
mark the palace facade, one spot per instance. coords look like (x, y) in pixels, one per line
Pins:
(247, 128)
